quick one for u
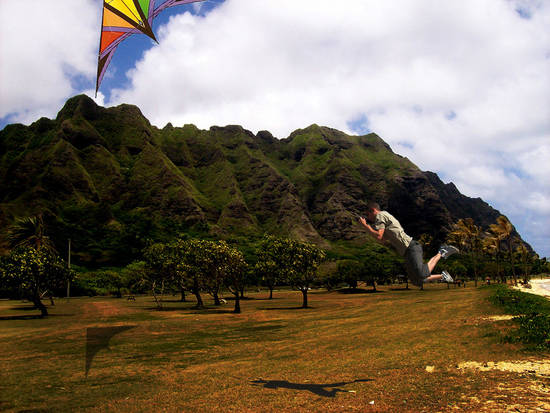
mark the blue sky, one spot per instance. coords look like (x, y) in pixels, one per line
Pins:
(460, 87)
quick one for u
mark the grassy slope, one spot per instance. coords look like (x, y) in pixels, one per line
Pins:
(272, 357)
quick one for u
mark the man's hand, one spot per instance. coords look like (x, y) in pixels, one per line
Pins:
(378, 234)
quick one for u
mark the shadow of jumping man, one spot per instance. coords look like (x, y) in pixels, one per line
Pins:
(318, 389)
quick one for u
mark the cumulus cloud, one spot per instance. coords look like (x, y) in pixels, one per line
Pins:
(461, 87)
(45, 47)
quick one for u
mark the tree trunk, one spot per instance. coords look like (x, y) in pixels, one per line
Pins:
(197, 293)
(270, 293)
(182, 295)
(39, 305)
(237, 309)
(154, 290)
(474, 262)
(304, 294)
(216, 298)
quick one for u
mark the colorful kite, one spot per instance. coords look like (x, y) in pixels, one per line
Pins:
(123, 18)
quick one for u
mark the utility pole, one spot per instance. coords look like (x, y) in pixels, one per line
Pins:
(69, 266)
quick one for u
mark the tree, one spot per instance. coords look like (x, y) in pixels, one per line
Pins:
(160, 262)
(189, 266)
(303, 261)
(133, 275)
(234, 267)
(350, 272)
(209, 261)
(34, 271)
(491, 246)
(503, 230)
(370, 272)
(271, 264)
(427, 242)
(467, 235)
(30, 232)
(526, 259)
(291, 261)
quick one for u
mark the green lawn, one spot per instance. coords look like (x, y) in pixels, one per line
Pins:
(348, 352)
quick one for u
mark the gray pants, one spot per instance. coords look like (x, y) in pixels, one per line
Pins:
(414, 263)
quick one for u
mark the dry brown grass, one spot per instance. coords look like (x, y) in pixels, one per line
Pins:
(362, 352)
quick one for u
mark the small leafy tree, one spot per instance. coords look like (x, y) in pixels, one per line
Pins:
(234, 267)
(209, 261)
(34, 271)
(302, 262)
(269, 266)
(290, 261)
(160, 263)
(371, 270)
(350, 272)
(189, 269)
(133, 275)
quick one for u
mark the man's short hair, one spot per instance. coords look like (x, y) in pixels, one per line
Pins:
(373, 205)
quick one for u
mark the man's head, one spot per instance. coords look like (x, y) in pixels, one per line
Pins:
(372, 210)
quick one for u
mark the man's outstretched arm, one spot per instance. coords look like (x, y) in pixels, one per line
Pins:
(377, 234)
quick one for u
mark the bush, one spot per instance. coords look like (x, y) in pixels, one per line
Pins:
(533, 315)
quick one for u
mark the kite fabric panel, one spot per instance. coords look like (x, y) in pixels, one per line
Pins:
(123, 18)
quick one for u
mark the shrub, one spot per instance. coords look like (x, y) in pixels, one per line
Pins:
(533, 315)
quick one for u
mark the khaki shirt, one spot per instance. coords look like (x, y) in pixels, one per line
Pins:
(393, 231)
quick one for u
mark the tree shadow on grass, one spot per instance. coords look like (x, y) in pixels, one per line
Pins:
(287, 308)
(324, 390)
(191, 309)
(21, 317)
(32, 316)
(357, 291)
(212, 311)
(29, 308)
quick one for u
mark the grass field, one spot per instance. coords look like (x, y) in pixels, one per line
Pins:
(395, 350)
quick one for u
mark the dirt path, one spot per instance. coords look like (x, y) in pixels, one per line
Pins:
(103, 309)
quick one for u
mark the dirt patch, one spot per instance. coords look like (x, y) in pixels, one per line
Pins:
(530, 393)
(499, 317)
(536, 367)
(103, 309)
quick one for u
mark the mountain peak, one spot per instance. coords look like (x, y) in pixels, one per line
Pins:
(78, 105)
(93, 165)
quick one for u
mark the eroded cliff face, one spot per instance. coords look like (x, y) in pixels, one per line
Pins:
(108, 173)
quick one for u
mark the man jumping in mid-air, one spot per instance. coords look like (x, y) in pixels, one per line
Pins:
(388, 228)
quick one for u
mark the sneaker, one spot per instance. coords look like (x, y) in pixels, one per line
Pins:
(447, 250)
(446, 277)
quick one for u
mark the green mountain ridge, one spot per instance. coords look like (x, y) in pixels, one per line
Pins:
(110, 181)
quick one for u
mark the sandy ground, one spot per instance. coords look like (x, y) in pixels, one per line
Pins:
(538, 286)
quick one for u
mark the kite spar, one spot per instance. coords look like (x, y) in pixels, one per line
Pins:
(123, 18)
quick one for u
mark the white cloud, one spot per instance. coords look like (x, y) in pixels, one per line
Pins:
(461, 87)
(43, 44)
